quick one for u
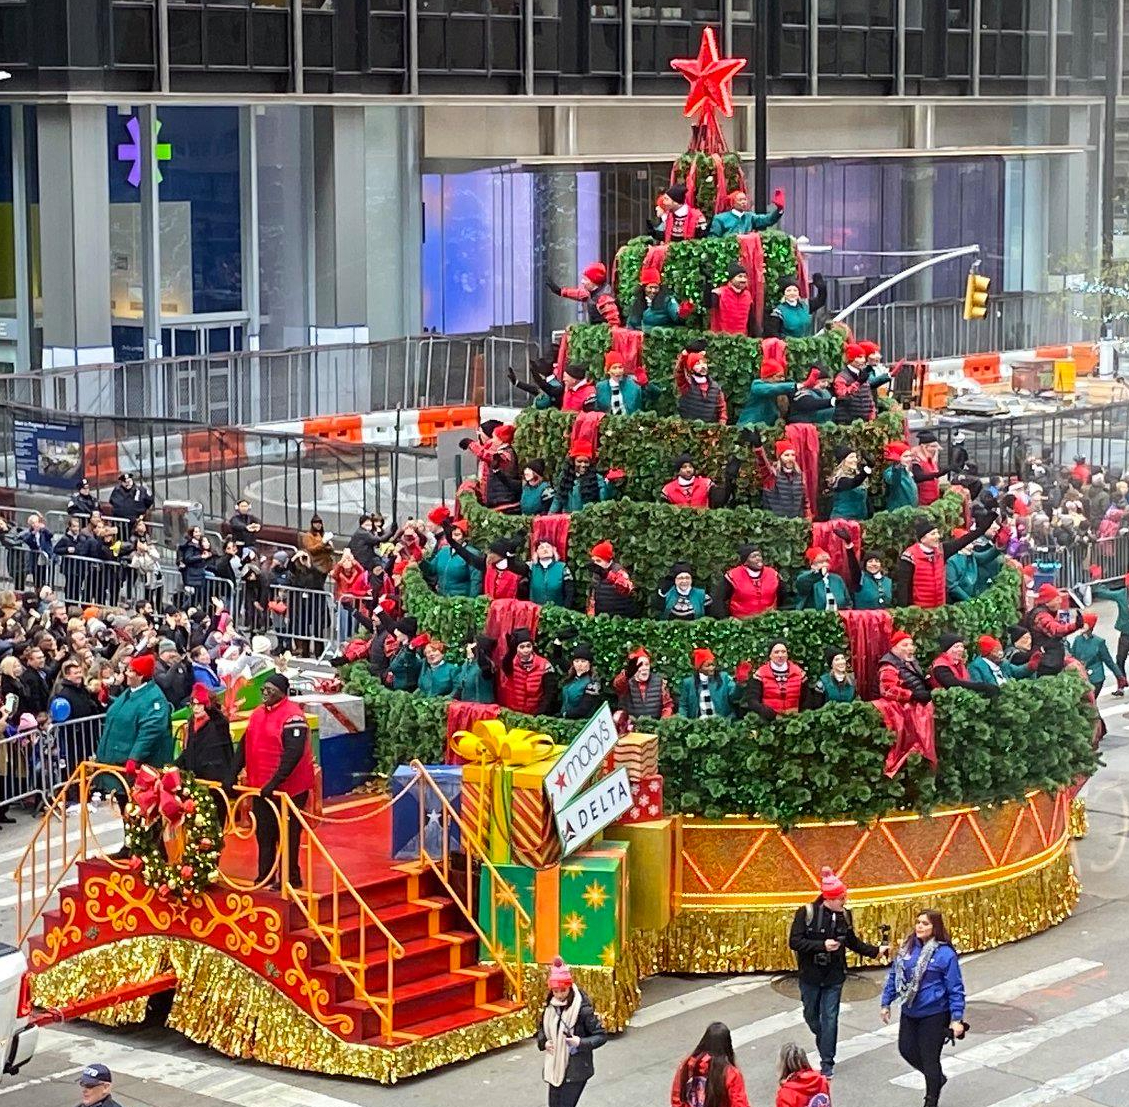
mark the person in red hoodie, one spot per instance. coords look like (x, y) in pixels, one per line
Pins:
(799, 1084)
(689, 489)
(709, 1077)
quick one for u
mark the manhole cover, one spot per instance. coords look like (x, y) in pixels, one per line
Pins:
(996, 1018)
(858, 987)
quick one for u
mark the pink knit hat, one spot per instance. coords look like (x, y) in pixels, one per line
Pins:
(830, 886)
(560, 975)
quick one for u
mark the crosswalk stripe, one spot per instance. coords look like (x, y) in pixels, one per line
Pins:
(1070, 1083)
(1007, 992)
(1008, 1047)
(771, 1024)
(243, 1090)
(691, 1001)
(97, 826)
(107, 843)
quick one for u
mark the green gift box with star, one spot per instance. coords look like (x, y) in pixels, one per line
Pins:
(497, 920)
(594, 904)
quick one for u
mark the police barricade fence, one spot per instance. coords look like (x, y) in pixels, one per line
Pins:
(304, 620)
(28, 766)
(73, 741)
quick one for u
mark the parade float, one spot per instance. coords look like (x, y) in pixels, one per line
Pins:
(422, 933)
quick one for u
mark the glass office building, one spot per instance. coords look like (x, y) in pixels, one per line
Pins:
(191, 176)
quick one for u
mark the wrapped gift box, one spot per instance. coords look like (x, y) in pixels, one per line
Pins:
(406, 811)
(637, 753)
(646, 800)
(594, 904)
(339, 713)
(538, 892)
(506, 808)
(650, 870)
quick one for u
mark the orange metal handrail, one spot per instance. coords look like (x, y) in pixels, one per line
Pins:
(501, 893)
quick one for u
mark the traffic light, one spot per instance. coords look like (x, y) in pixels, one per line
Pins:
(976, 295)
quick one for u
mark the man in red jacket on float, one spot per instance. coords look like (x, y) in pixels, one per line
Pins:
(275, 751)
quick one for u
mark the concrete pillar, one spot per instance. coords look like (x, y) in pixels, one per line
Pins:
(340, 239)
(74, 206)
(917, 201)
(556, 229)
(393, 202)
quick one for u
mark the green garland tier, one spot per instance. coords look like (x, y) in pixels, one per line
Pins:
(705, 187)
(825, 764)
(809, 634)
(645, 446)
(649, 537)
(734, 359)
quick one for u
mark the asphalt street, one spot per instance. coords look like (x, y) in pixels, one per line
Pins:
(1050, 1019)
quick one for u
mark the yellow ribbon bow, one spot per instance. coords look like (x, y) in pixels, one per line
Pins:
(490, 741)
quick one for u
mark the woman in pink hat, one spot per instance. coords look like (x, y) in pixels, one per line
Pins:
(568, 1034)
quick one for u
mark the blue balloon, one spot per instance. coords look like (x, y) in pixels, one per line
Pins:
(60, 710)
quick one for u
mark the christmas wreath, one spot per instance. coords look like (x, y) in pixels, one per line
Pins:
(173, 832)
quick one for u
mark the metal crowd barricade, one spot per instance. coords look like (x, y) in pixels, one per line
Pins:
(308, 625)
(28, 767)
(92, 581)
(74, 741)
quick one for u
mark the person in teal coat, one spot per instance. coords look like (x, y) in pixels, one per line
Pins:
(897, 477)
(875, 589)
(819, 589)
(760, 405)
(654, 305)
(137, 729)
(794, 317)
(1092, 651)
(837, 685)
(582, 691)
(617, 393)
(680, 599)
(437, 675)
(579, 484)
(402, 674)
(968, 571)
(710, 693)
(449, 574)
(536, 492)
(847, 485)
(1120, 597)
(992, 667)
(475, 682)
(550, 579)
(740, 219)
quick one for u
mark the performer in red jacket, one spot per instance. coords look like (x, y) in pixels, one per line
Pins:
(526, 681)
(777, 685)
(689, 489)
(593, 290)
(751, 587)
(919, 580)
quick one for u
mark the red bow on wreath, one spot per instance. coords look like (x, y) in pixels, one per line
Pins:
(158, 793)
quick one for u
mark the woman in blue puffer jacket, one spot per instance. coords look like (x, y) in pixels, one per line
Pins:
(925, 979)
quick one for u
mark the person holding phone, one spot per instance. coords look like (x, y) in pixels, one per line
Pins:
(925, 978)
(569, 1032)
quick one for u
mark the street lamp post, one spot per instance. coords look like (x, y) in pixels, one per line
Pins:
(760, 109)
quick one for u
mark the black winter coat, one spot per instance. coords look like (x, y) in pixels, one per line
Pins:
(817, 965)
(83, 703)
(176, 681)
(208, 751)
(591, 1033)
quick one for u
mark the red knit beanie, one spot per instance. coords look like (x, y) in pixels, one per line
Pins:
(694, 358)
(784, 446)
(649, 276)
(770, 367)
(830, 886)
(605, 551)
(597, 272)
(701, 657)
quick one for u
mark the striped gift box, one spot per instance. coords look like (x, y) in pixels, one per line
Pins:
(637, 753)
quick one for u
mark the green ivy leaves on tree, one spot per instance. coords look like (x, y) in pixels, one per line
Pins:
(705, 187)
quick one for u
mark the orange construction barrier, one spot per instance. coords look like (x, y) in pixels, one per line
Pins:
(209, 451)
(434, 420)
(983, 368)
(100, 461)
(337, 428)
(1052, 353)
(1085, 358)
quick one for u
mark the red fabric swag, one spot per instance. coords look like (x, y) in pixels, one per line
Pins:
(586, 429)
(507, 615)
(805, 438)
(462, 715)
(562, 357)
(654, 257)
(550, 528)
(629, 345)
(912, 726)
(868, 635)
(823, 535)
(751, 256)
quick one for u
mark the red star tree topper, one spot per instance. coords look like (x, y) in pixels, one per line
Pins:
(711, 91)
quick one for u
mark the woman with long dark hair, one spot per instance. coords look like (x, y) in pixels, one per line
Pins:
(709, 1077)
(925, 978)
(568, 1034)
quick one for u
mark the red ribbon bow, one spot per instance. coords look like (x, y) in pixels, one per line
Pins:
(158, 794)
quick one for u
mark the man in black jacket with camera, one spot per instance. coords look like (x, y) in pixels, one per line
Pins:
(821, 934)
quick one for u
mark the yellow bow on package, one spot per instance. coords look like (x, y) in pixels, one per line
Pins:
(504, 805)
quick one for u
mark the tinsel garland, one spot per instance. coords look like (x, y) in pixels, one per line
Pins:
(1077, 824)
(222, 1004)
(978, 918)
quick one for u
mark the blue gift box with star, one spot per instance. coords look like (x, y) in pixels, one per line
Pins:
(406, 811)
